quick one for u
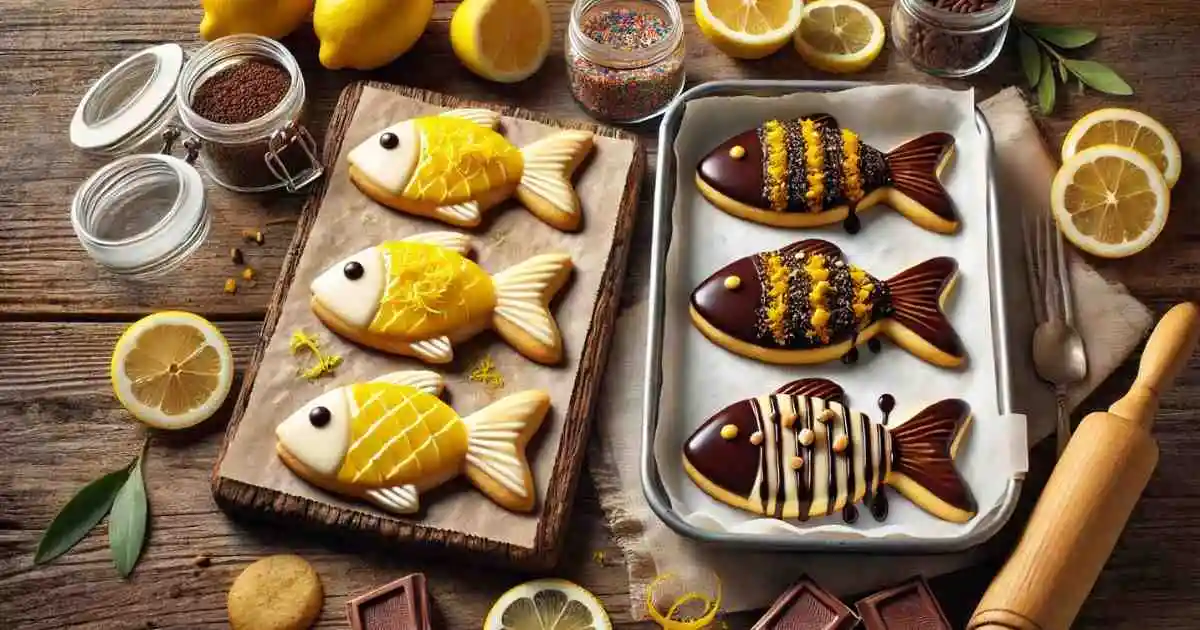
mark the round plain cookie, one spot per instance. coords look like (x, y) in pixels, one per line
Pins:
(281, 592)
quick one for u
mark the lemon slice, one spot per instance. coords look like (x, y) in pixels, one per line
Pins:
(548, 604)
(1110, 201)
(1127, 128)
(839, 36)
(172, 370)
(748, 29)
(501, 40)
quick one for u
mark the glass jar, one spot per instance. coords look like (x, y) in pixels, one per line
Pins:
(625, 57)
(127, 109)
(267, 153)
(951, 42)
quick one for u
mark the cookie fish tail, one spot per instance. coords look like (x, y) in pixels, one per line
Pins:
(923, 451)
(496, 439)
(914, 167)
(917, 322)
(522, 315)
(545, 186)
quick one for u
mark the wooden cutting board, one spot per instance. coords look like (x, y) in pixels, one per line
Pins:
(339, 220)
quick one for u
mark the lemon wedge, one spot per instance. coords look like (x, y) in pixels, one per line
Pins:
(1127, 128)
(172, 370)
(548, 604)
(748, 29)
(841, 36)
(1110, 201)
(501, 40)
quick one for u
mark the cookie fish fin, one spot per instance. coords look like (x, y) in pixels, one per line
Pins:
(915, 166)
(522, 315)
(496, 439)
(545, 186)
(424, 380)
(466, 214)
(482, 117)
(822, 118)
(923, 450)
(813, 247)
(822, 388)
(436, 350)
(917, 322)
(460, 243)
(398, 500)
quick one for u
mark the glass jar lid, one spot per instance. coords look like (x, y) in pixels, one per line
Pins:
(128, 101)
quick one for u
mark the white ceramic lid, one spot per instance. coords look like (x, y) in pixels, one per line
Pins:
(122, 101)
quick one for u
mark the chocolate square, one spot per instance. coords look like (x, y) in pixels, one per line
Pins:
(807, 606)
(399, 605)
(909, 605)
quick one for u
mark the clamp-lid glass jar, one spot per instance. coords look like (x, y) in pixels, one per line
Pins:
(625, 57)
(951, 38)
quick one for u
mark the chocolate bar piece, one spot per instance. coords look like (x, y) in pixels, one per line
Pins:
(399, 605)
(907, 605)
(807, 606)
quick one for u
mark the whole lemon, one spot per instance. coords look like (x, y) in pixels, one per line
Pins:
(367, 34)
(269, 18)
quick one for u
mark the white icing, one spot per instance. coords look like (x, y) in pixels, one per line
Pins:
(762, 408)
(788, 414)
(858, 443)
(547, 171)
(320, 448)
(821, 501)
(399, 500)
(483, 117)
(436, 350)
(424, 380)
(521, 295)
(455, 241)
(841, 463)
(353, 301)
(389, 169)
(466, 212)
(492, 436)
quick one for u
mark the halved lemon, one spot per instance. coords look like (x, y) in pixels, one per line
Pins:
(172, 370)
(548, 604)
(748, 29)
(839, 35)
(501, 40)
(1127, 128)
(1110, 201)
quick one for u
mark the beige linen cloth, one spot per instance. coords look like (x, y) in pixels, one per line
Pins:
(1112, 323)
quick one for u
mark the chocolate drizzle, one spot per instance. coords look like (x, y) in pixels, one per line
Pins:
(851, 356)
(886, 403)
(776, 422)
(874, 345)
(804, 476)
(850, 514)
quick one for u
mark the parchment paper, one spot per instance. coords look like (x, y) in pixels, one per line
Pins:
(349, 221)
(700, 377)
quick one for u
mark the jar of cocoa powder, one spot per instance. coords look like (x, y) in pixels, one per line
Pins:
(951, 38)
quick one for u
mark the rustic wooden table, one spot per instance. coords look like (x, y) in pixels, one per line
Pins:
(60, 425)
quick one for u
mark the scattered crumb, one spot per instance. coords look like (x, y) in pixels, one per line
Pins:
(203, 560)
(175, 591)
(248, 274)
(253, 235)
(230, 286)
(236, 256)
(598, 557)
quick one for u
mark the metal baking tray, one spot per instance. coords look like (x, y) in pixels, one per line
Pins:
(1003, 250)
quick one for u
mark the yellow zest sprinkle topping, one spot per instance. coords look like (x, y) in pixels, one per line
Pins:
(852, 183)
(729, 431)
(737, 152)
(863, 287)
(778, 278)
(775, 141)
(814, 164)
(818, 296)
(674, 619)
(326, 364)
(485, 372)
(732, 282)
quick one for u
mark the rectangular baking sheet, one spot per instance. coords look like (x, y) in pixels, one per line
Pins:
(670, 377)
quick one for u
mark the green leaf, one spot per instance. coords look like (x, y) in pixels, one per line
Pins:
(80, 515)
(1099, 77)
(1062, 71)
(127, 522)
(1031, 58)
(1063, 36)
(1046, 89)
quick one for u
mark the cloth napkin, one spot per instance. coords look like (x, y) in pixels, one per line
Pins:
(1112, 323)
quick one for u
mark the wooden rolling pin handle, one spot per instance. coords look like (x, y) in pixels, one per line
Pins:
(1089, 496)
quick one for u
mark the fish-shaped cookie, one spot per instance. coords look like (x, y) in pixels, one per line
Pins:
(804, 303)
(811, 172)
(420, 295)
(800, 453)
(388, 440)
(455, 166)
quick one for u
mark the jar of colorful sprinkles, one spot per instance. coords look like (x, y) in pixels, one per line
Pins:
(625, 57)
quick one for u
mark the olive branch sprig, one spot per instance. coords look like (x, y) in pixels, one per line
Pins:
(1045, 63)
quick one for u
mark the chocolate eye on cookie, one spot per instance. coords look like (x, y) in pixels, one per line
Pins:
(353, 270)
(319, 416)
(389, 140)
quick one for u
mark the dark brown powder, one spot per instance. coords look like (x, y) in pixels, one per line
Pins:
(242, 92)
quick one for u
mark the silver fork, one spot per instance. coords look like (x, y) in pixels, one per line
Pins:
(1058, 352)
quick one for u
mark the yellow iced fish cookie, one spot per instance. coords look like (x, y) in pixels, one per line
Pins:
(421, 295)
(388, 440)
(454, 166)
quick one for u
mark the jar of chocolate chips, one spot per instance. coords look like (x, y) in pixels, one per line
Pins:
(951, 38)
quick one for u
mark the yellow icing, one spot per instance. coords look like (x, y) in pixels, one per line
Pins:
(814, 164)
(431, 291)
(729, 431)
(851, 181)
(738, 152)
(401, 435)
(775, 141)
(777, 278)
(818, 297)
(733, 282)
(460, 160)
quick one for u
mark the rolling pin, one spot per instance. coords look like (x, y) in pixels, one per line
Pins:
(1089, 496)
